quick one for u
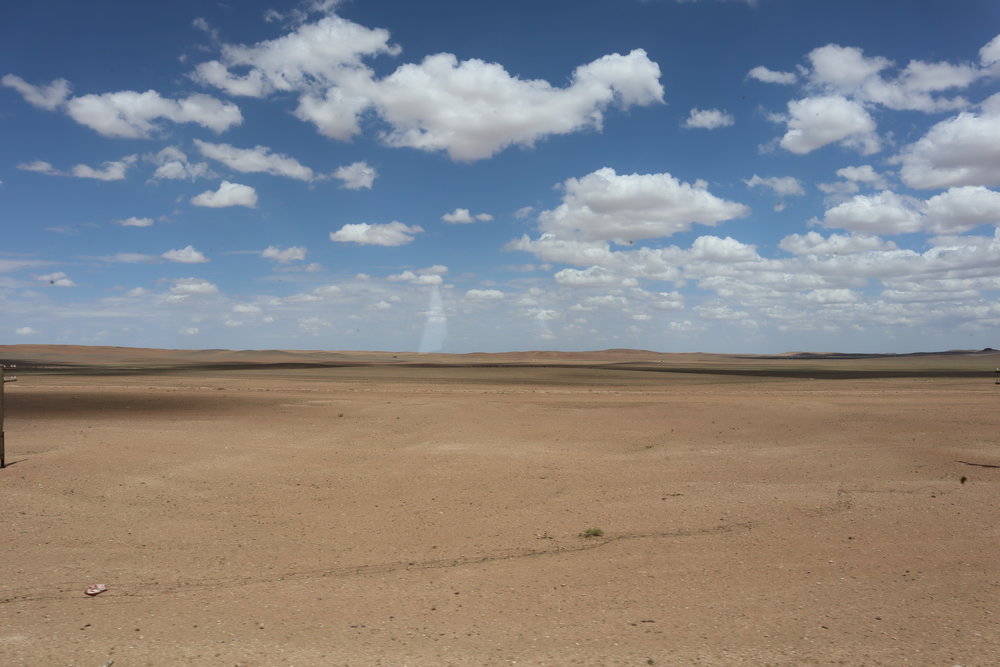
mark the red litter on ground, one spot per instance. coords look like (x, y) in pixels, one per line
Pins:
(95, 589)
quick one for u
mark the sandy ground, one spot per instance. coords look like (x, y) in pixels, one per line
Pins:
(433, 516)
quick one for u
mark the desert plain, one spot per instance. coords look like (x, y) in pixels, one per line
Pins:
(610, 508)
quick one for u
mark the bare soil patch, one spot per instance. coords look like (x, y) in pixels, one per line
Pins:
(397, 514)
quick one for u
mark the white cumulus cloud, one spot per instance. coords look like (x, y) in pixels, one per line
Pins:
(813, 243)
(228, 194)
(962, 209)
(259, 159)
(48, 97)
(955, 211)
(135, 222)
(594, 276)
(784, 186)
(708, 119)
(484, 294)
(761, 73)
(193, 286)
(315, 54)
(883, 213)
(962, 150)
(356, 175)
(847, 87)
(473, 109)
(418, 278)
(604, 205)
(109, 171)
(461, 216)
(854, 177)
(173, 164)
(843, 68)
(864, 173)
(847, 71)
(394, 233)
(430, 275)
(814, 122)
(990, 53)
(470, 109)
(112, 170)
(40, 167)
(131, 114)
(290, 254)
(185, 255)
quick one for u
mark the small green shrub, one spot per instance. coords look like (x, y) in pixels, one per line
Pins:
(592, 532)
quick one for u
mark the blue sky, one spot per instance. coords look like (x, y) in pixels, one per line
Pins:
(707, 175)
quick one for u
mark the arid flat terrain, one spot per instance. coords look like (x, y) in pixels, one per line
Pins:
(289, 508)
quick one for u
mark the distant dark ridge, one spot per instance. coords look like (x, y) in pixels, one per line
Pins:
(787, 373)
(150, 361)
(815, 373)
(863, 355)
(144, 369)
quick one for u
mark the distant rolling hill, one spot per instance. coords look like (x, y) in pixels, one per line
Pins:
(103, 359)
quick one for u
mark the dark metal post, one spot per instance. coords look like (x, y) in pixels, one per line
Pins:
(3, 380)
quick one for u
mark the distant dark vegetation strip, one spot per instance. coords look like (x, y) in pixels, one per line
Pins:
(48, 368)
(792, 373)
(819, 374)
(870, 355)
(73, 369)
